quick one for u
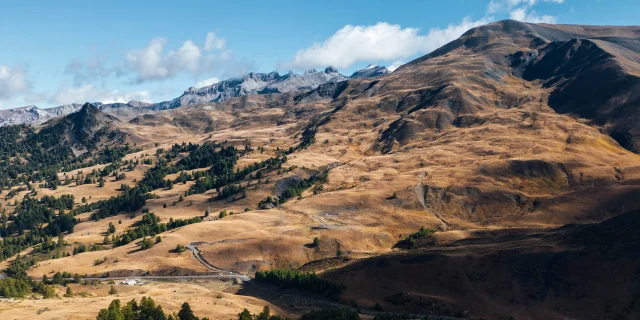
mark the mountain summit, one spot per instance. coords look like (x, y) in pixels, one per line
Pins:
(370, 71)
(85, 125)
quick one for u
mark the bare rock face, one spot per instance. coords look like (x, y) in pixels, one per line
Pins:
(26, 115)
(370, 71)
(285, 183)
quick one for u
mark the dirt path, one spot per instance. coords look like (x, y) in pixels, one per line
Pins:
(193, 246)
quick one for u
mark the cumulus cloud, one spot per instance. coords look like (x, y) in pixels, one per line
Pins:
(91, 93)
(521, 10)
(13, 81)
(379, 42)
(154, 63)
(149, 62)
(214, 42)
(521, 14)
(187, 57)
(207, 82)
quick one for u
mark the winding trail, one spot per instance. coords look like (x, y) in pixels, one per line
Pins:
(193, 246)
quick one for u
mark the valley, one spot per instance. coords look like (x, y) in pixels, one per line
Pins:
(485, 180)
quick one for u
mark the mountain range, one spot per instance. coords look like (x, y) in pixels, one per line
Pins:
(252, 83)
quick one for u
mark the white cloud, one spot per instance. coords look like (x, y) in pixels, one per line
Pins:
(13, 81)
(207, 82)
(521, 14)
(380, 42)
(496, 6)
(148, 63)
(214, 42)
(152, 63)
(89, 93)
(521, 10)
(187, 57)
(395, 65)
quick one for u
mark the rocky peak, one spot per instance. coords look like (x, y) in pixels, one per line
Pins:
(330, 69)
(191, 90)
(371, 70)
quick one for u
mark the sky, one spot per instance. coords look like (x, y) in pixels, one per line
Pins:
(60, 52)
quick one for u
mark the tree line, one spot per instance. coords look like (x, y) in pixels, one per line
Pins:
(293, 279)
(146, 309)
(149, 226)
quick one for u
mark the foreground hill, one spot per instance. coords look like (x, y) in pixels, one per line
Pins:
(573, 272)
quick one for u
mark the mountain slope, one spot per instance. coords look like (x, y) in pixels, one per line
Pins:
(585, 70)
(594, 79)
(498, 152)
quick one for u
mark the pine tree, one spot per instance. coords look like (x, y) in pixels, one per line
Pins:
(69, 293)
(245, 315)
(185, 313)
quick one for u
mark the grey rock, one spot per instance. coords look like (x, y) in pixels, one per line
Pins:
(370, 71)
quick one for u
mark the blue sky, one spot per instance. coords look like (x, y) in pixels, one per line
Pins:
(58, 52)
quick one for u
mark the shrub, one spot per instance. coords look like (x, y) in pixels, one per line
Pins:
(112, 290)
(410, 242)
(146, 244)
(179, 248)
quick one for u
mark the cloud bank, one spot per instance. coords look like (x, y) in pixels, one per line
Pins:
(380, 42)
(93, 94)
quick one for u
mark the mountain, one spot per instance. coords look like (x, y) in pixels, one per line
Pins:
(370, 71)
(24, 115)
(589, 71)
(33, 115)
(252, 83)
(507, 142)
(88, 121)
(85, 127)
